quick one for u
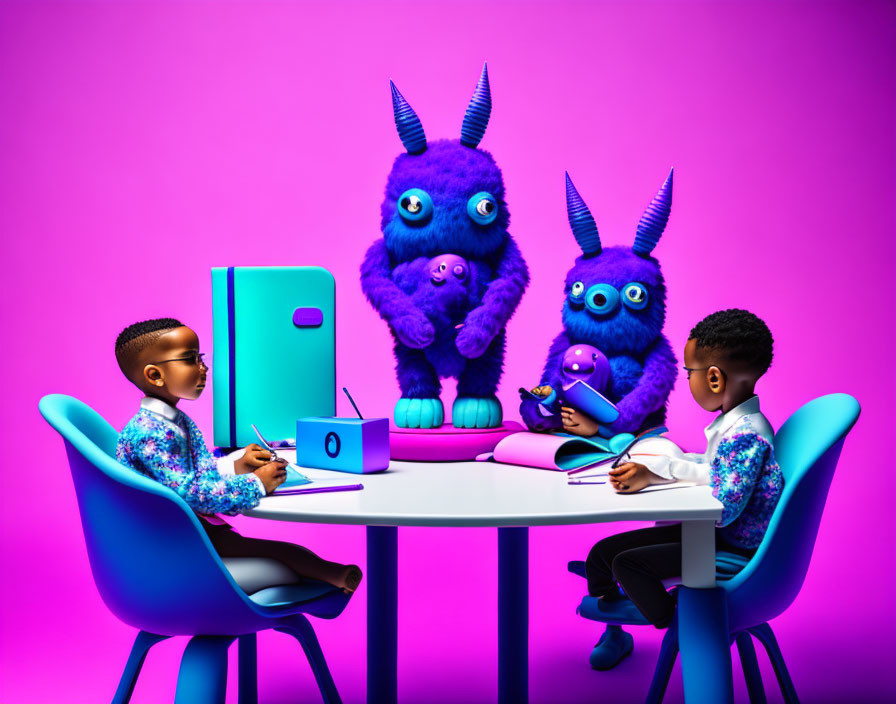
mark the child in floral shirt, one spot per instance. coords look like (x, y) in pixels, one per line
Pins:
(161, 357)
(725, 355)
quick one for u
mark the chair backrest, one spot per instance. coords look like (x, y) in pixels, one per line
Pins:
(807, 448)
(151, 560)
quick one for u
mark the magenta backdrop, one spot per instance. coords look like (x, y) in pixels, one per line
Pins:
(143, 143)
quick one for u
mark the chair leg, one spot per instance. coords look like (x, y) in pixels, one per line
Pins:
(664, 664)
(764, 635)
(748, 661)
(248, 669)
(142, 643)
(202, 678)
(299, 628)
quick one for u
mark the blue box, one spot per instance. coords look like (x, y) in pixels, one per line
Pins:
(356, 445)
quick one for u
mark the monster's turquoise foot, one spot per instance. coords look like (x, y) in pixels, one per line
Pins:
(419, 413)
(470, 412)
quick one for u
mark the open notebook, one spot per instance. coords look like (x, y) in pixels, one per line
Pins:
(308, 480)
(567, 453)
(648, 449)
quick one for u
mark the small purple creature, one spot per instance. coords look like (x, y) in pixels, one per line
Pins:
(445, 291)
(585, 363)
(447, 266)
(446, 196)
(615, 301)
(580, 363)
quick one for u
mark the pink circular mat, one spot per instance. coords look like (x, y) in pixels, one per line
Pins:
(447, 444)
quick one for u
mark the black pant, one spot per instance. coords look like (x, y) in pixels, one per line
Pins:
(639, 560)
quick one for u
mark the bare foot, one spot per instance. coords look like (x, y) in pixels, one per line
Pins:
(351, 578)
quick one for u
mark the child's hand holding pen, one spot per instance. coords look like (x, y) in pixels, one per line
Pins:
(253, 457)
(629, 477)
(272, 474)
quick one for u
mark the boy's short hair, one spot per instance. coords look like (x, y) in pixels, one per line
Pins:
(738, 335)
(137, 337)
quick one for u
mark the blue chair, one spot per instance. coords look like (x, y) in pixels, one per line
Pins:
(807, 448)
(157, 571)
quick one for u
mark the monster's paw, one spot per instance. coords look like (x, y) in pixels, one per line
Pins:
(470, 412)
(535, 420)
(472, 341)
(414, 330)
(419, 413)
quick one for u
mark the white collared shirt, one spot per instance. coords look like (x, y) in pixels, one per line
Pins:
(171, 414)
(695, 467)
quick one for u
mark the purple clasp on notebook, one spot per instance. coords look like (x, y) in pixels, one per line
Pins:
(307, 317)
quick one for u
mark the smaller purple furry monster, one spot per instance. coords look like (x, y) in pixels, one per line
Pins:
(615, 301)
(444, 289)
(447, 292)
(445, 204)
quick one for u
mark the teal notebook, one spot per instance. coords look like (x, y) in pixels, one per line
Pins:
(274, 356)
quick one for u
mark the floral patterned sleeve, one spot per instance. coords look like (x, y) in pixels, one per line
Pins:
(162, 453)
(735, 470)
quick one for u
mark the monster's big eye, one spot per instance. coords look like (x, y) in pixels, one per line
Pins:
(634, 296)
(602, 299)
(482, 208)
(415, 205)
(575, 295)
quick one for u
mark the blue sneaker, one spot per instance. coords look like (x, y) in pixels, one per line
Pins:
(614, 645)
(621, 612)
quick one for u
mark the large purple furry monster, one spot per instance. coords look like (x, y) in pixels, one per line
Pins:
(616, 301)
(445, 204)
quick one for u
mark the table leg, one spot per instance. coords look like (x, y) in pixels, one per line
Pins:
(703, 620)
(513, 615)
(382, 615)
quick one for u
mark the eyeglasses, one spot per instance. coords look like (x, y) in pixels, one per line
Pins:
(194, 359)
(703, 369)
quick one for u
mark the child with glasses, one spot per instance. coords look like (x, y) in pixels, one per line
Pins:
(161, 357)
(725, 355)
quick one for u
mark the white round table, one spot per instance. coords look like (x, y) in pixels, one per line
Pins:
(511, 499)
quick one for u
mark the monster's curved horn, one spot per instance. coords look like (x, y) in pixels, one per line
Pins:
(410, 129)
(476, 117)
(581, 221)
(654, 219)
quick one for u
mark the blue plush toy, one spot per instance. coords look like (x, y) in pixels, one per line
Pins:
(615, 301)
(445, 205)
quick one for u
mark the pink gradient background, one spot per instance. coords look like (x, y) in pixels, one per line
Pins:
(143, 143)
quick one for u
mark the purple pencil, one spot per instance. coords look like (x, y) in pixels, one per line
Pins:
(319, 490)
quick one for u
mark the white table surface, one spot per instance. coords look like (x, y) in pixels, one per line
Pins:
(502, 496)
(483, 494)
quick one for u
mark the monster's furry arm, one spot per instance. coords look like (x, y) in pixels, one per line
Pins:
(652, 390)
(500, 300)
(408, 322)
